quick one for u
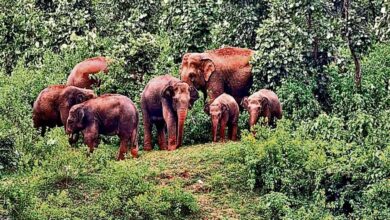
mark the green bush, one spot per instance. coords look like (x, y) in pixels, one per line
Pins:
(274, 206)
(298, 99)
(333, 163)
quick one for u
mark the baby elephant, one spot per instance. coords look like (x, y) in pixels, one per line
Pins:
(109, 114)
(262, 103)
(224, 110)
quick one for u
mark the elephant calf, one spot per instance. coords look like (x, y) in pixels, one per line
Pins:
(109, 114)
(225, 111)
(263, 103)
(165, 102)
(51, 108)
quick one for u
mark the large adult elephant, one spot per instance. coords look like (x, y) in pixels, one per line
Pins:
(51, 108)
(214, 72)
(165, 102)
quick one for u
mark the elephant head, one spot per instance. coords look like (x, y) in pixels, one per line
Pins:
(73, 95)
(181, 96)
(255, 106)
(77, 119)
(216, 111)
(196, 69)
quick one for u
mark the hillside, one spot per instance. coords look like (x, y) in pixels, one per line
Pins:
(74, 185)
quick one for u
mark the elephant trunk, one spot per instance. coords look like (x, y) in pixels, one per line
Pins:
(253, 118)
(182, 115)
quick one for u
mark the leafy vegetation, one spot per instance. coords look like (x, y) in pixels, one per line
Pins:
(328, 61)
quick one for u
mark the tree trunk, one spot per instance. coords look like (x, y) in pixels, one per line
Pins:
(356, 60)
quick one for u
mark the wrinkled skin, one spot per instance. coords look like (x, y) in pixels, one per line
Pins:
(165, 102)
(51, 108)
(80, 75)
(109, 114)
(263, 103)
(225, 70)
(224, 111)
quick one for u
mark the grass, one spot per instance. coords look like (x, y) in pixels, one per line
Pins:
(68, 183)
(204, 171)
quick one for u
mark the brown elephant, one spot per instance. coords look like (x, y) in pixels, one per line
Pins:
(214, 72)
(51, 108)
(263, 103)
(165, 102)
(225, 111)
(109, 114)
(80, 75)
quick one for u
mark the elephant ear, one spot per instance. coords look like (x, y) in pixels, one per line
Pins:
(167, 92)
(185, 58)
(245, 102)
(208, 67)
(79, 114)
(71, 95)
(80, 98)
(264, 102)
(184, 62)
(224, 108)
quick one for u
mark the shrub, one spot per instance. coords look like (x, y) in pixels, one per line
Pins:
(274, 206)
(298, 100)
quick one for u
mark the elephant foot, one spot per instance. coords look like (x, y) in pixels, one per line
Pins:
(134, 153)
(170, 148)
(148, 147)
(120, 156)
(163, 148)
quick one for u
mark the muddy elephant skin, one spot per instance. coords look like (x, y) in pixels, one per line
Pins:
(110, 114)
(165, 102)
(264, 103)
(80, 74)
(214, 72)
(224, 111)
(51, 108)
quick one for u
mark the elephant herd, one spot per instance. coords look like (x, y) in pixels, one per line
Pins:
(222, 75)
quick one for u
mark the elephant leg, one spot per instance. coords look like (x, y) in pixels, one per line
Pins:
(162, 142)
(91, 137)
(147, 132)
(172, 136)
(123, 148)
(43, 131)
(233, 129)
(230, 131)
(91, 142)
(171, 121)
(222, 130)
(267, 117)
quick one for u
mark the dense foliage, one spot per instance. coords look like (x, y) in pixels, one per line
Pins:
(328, 61)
